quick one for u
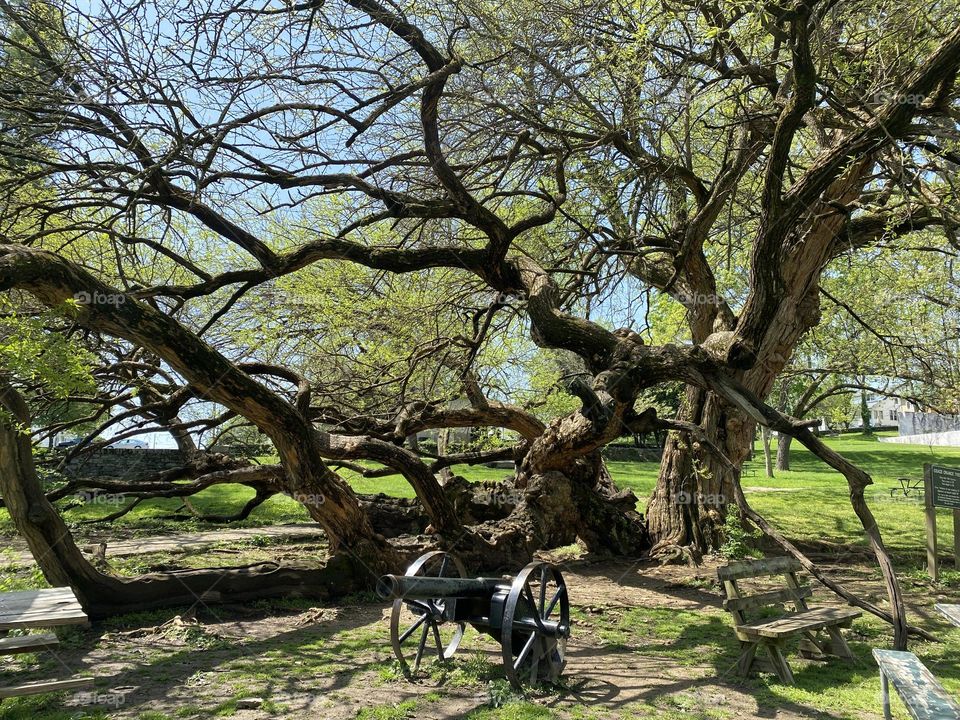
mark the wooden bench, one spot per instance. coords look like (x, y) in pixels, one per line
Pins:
(38, 609)
(920, 691)
(28, 644)
(45, 686)
(818, 628)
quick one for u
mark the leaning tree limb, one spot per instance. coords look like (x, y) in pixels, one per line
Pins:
(328, 499)
(857, 480)
(761, 522)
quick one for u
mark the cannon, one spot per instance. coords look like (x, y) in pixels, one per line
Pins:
(433, 602)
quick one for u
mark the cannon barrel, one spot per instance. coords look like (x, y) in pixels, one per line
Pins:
(404, 587)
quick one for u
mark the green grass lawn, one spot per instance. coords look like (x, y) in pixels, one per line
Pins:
(817, 506)
(812, 502)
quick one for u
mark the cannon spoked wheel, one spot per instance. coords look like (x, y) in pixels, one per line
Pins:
(536, 624)
(415, 625)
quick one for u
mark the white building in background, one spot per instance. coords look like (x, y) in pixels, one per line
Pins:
(884, 411)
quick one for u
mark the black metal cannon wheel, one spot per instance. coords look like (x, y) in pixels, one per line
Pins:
(415, 625)
(536, 624)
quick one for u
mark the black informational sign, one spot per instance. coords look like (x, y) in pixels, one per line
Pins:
(945, 486)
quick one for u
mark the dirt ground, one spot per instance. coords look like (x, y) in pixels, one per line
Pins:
(294, 660)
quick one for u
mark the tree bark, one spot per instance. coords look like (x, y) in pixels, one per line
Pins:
(767, 457)
(857, 481)
(692, 470)
(783, 452)
(688, 505)
(568, 493)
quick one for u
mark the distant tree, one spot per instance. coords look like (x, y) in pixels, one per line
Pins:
(889, 327)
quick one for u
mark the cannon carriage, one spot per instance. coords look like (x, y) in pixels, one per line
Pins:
(529, 615)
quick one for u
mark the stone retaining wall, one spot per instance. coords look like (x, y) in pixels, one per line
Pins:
(124, 463)
(636, 454)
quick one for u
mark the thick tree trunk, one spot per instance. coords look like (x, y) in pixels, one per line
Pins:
(783, 451)
(686, 469)
(688, 506)
(567, 493)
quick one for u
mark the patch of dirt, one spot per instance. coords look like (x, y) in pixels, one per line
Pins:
(292, 660)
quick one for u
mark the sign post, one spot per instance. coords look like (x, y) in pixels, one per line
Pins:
(941, 488)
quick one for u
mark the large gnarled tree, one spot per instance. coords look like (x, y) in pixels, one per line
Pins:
(533, 154)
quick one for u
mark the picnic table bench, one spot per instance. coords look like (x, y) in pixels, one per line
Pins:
(950, 612)
(772, 633)
(923, 695)
(38, 609)
(907, 486)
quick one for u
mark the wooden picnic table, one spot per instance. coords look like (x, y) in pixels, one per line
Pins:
(907, 486)
(31, 609)
(950, 612)
(40, 609)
